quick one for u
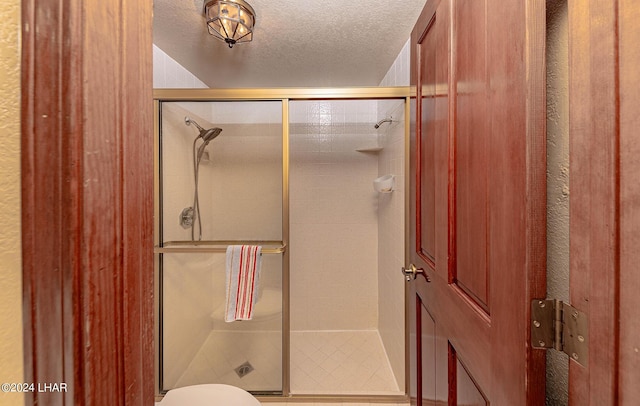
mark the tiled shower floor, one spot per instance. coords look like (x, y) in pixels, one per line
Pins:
(322, 362)
(340, 362)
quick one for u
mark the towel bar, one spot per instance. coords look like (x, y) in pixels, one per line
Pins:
(216, 246)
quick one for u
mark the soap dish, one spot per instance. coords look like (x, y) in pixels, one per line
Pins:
(384, 184)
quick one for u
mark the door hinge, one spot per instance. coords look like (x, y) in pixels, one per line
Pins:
(558, 325)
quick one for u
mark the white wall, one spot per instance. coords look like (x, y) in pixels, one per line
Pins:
(240, 193)
(187, 277)
(11, 349)
(167, 73)
(398, 73)
(334, 222)
(391, 226)
(391, 240)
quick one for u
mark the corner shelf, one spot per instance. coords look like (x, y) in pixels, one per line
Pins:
(369, 149)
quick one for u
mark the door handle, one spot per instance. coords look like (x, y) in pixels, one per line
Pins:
(412, 272)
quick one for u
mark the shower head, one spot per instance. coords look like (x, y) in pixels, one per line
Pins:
(206, 134)
(384, 120)
(210, 134)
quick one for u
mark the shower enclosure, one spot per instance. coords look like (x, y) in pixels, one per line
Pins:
(291, 170)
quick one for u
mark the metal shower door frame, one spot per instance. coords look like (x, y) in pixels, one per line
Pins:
(284, 95)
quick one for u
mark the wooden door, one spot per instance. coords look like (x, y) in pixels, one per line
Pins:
(477, 206)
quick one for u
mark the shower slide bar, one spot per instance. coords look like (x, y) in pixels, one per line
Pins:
(217, 246)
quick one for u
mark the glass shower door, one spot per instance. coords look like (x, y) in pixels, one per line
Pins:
(235, 151)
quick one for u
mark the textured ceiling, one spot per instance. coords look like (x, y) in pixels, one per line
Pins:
(298, 43)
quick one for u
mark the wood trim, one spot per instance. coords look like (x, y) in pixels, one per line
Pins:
(137, 184)
(629, 147)
(452, 375)
(452, 250)
(536, 185)
(49, 203)
(87, 201)
(594, 205)
(419, 366)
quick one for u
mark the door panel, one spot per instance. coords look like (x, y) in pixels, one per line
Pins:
(477, 199)
(472, 130)
(432, 365)
(467, 392)
(428, 346)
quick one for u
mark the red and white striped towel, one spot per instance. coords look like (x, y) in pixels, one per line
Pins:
(243, 275)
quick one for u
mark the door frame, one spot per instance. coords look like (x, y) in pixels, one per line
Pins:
(62, 92)
(605, 197)
(87, 201)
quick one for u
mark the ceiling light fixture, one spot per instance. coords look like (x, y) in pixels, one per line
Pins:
(231, 21)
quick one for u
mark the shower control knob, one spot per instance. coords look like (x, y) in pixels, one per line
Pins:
(186, 217)
(412, 272)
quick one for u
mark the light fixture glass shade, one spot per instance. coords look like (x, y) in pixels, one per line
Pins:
(231, 21)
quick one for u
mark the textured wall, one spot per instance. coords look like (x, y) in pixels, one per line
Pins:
(557, 183)
(11, 369)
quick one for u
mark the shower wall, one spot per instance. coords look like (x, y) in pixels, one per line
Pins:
(347, 243)
(334, 222)
(167, 73)
(242, 200)
(240, 187)
(391, 217)
(398, 73)
(186, 277)
(240, 193)
(391, 238)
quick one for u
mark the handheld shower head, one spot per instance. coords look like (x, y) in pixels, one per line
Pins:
(210, 134)
(206, 134)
